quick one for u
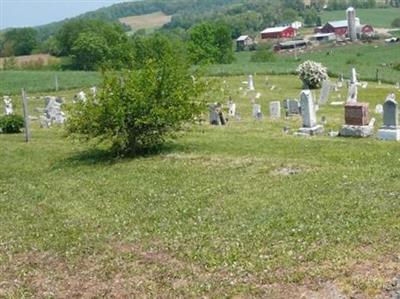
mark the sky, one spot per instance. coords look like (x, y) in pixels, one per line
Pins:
(26, 13)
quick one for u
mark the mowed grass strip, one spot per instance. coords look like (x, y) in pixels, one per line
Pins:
(238, 210)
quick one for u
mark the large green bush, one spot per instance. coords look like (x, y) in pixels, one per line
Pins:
(10, 124)
(136, 109)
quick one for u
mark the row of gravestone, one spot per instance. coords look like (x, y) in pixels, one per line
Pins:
(357, 123)
(51, 114)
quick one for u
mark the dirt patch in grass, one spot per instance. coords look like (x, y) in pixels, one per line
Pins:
(124, 270)
(287, 171)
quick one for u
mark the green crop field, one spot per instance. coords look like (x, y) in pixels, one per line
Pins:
(11, 82)
(379, 17)
(367, 58)
(243, 210)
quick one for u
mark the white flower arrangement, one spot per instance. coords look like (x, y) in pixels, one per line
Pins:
(312, 74)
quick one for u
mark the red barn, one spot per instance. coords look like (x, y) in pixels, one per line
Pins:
(278, 32)
(337, 27)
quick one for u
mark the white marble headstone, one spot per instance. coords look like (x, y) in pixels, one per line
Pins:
(325, 91)
(307, 109)
(8, 106)
(250, 83)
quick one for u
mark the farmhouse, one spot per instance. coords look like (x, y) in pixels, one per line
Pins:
(278, 32)
(244, 42)
(340, 28)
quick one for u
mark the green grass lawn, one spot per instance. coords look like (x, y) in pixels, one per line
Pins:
(379, 17)
(11, 82)
(212, 215)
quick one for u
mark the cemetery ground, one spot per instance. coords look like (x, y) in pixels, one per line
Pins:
(241, 210)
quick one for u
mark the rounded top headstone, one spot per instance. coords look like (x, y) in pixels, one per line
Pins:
(350, 9)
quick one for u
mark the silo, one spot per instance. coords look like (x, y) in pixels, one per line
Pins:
(351, 24)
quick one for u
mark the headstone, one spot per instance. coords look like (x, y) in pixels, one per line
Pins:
(285, 104)
(390, 112)
(390, 129)
(356, 114)
(310, 126)
(293, 107)
(397, 85)
(250, 83)
(93, 91)
(356, 121)
(325, 91)
(52, 113)
(80, 97)
(257, 114)
(214, 116)
(275, 109)
(231, 108)
(353, 90)
(8, 106)
(307, 109)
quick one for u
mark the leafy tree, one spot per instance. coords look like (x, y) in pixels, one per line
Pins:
(289, 15)
(70, 31)
(137, 109)
(19, 41)
(311, 17)
(89, 51)
(210, 43)
(93, 43)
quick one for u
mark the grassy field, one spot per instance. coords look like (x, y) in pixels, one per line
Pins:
(11, 82)
(367, 58)
(149, 21)
(379, 17)
(243, 210)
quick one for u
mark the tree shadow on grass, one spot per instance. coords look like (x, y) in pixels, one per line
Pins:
(98, 156)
